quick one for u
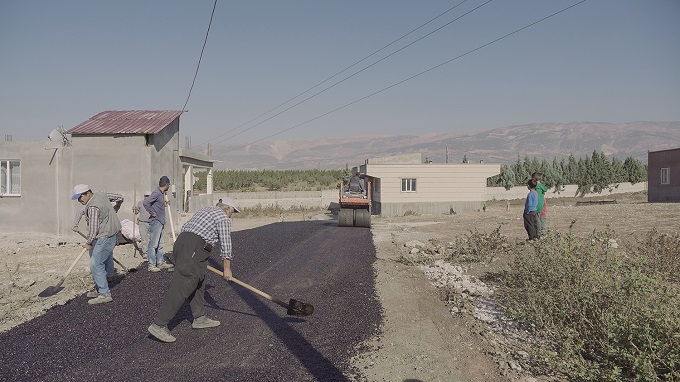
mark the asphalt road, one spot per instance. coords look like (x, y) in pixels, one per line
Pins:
(312, 261)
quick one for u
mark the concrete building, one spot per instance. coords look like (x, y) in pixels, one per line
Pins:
(403, 184)
(663, 176)
(124, 152)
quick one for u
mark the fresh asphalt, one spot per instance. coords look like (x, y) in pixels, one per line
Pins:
(316, 262)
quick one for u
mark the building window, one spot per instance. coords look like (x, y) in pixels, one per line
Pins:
(666, 175)
(10, 182)
(408, 185)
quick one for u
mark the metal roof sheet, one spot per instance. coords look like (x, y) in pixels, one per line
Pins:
(127, 122)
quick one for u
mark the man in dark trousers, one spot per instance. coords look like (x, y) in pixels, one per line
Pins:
(208, 227)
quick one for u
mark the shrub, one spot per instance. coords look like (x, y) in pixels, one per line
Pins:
(608, 317)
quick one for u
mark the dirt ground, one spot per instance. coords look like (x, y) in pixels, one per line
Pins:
(422, 338)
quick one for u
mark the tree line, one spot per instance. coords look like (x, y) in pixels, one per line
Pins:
(272, 180)
(590, 173)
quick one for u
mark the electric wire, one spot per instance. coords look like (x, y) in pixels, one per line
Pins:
(336, 74)
(184, 108)
(411, 77)
(355, 73)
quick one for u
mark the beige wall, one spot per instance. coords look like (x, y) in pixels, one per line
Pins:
(439, 187)
(119, 164)
(41, 206)
(434, 182)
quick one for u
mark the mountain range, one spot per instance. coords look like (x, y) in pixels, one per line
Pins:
(501, 145)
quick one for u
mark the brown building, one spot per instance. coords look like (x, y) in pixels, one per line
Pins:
(663, 176)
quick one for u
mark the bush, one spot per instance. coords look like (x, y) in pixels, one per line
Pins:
(607, 316)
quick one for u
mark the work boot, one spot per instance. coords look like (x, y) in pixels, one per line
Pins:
(162, 333)
(100, 299)
(204, 322)
(166, 266)
(92, 294)
(153, 268)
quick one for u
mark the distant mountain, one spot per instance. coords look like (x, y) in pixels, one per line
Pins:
(502, 145)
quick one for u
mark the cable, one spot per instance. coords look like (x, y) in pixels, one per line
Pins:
(409, 78)
(336, 74)
(357, 72)
(200, 57)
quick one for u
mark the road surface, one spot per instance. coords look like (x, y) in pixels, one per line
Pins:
(313, 261)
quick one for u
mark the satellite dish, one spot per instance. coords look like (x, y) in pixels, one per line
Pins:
(58, 135)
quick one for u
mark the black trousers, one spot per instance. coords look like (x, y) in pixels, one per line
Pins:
(531, 224)
(191, 265)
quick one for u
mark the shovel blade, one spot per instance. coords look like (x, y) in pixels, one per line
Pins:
(51, 291)
(299, 308)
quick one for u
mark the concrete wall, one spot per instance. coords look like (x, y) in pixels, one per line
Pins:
(520, 192)
(41, 206)
(282, 199)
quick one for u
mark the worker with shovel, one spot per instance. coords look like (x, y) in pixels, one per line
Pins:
(103, 227)
(209, 228)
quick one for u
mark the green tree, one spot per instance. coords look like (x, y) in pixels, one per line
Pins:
(634, 170)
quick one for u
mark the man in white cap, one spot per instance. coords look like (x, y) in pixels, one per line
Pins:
(143, 222)
(103, 227)
(200, 236)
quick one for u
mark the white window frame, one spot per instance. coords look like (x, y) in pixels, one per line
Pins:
(408, 184)
(665, 175)
(9, 186)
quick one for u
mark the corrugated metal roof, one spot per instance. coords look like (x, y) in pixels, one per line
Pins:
(127, 122)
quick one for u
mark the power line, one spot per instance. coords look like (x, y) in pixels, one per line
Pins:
(201, 56)
(357, 72)
(411, 77)
(338, 73)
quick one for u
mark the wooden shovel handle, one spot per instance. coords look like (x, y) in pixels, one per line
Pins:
(251, 288)
(172, 224)
(74, 263)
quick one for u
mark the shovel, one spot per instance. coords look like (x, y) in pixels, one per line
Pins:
(52, 290)
(126, 269)
(295, 307)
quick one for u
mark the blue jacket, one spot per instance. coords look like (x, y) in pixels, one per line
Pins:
(532, 202)
(155, 203)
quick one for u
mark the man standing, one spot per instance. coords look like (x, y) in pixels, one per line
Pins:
(201, 235)
(155, 205)
(541, 189)
(103, 227)
(143, 223)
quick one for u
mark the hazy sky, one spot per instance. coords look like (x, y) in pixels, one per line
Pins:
(62, 62)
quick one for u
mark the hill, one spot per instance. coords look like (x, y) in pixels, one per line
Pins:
(501, 145)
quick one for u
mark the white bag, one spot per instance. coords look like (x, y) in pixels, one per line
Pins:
(126, 230)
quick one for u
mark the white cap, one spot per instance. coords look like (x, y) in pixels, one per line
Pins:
(79, 190)
(147, 193)
(231, 203)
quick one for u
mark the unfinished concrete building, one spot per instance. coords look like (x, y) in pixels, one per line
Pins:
(124, 152)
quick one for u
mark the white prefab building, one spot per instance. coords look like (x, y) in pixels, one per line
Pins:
(405, 184)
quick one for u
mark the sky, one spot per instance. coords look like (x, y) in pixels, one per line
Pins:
(62, 62)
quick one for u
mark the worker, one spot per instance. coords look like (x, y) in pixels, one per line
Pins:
(143, 223)
(155, 205)
(208, 229)
(103, 227)
(355, 183)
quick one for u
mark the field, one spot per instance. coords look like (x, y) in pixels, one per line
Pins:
(434, 325)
